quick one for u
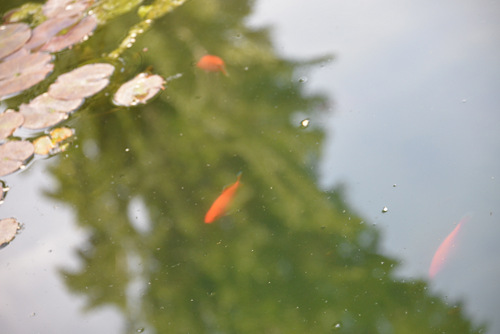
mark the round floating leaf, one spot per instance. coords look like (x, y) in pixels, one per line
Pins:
(76, 34)
(82, 82)
(22, 52)
(39, 118)
(17, 66)
(60, 8)
(23, 72)
(48, 29)
(9, 122)
(52, 144)
(8, 230)
(43, 145)
(44, 111)
(60, 134)
(49, 104)
(138, 90)
(13, 154)
(13, 37)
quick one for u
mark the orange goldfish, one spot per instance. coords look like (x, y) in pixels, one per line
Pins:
(444, 249)
(212, 63)
(220, 205)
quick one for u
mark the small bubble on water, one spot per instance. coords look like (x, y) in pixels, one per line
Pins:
(394, 185)
(464, 100)
(385, 209)
(337, 326)
(140, 330)
(303, 79)
(304, 123)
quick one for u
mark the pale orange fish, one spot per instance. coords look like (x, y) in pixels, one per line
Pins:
(211, 63)
(220, 205)
(444, 249)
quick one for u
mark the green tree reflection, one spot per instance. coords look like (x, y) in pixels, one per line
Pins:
(288, 259)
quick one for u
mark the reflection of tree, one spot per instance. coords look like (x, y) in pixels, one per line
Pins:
(287, 260)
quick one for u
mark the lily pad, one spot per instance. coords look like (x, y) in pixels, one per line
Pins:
(53, 8)
(43, 145)
(16, 67)
(39, 118)
(52, 143)
(76, 34)
(49, 103)
(8, 230)
(44, 111)
(60, 134)
(48, 29)
(23, 72)
(9, 122)
(19, 53)
(13, 37)
(82, 82)
(138, 90)
(13, 154)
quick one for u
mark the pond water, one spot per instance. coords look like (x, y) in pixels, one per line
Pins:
(335, 221)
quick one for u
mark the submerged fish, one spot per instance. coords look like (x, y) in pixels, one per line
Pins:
(211, 63)
(444, 249)
(220, 205)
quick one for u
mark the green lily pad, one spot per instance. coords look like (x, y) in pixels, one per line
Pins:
(13, 37)
(13, 154)
(23, 72)
(138, 90)
(8, 230)
(76, 34)
(48, 29)
(82, 82)
(9, 122)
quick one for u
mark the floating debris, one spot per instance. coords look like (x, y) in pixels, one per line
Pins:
(82, 82)
(304, 123)
(8, 230)
(9, 122)
(13, 155)
(140, 89)
(385, 209)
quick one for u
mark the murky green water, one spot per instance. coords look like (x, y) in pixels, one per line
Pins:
(137, 182)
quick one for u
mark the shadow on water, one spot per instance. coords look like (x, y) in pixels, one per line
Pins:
(288, 258)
